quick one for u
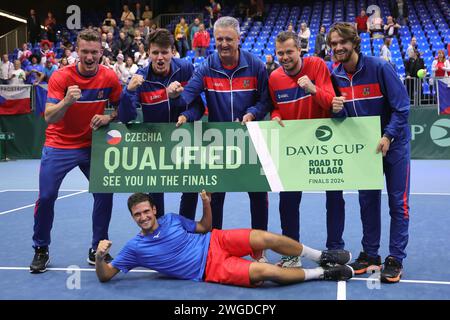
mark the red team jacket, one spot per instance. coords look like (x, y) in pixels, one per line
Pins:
(291, 102)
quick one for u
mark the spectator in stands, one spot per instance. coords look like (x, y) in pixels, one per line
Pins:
(412, 65)
(106, 61)
(110, 22)
(391, 28)
(181, 35)
(399, 11)
(34, 27)
(50, 27)
(214, 11)
(375, 24)
(361, 23)
(193, 28)
(148, 13)
(105, 45)
(201, 41)
(34, 69)
(109, 50)
(131, 67)
(290, 27)
(137, 41)
(140, 27)
(48, 70)
(63, 62)
(127, 14)
(147, 29)
(411, 47)
(256, 10)
(271, 64)
(320, 47)
(24, 52)
(242, 10)
(176, 54)
(120, 70)
(138, 11)
(68, 55)
(385, 52)
(123, 44)
(141, 57)
(304, 35)
(18, 76)
(128, 28)
(6, 70)
(46, 51)
(440, 66)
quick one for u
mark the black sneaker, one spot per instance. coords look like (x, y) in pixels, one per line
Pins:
(335, 257)
(392, 271)
(337, 272)
(91, 257)
(366, 264)
(40, 261)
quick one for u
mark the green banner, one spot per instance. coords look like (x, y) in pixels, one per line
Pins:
(430, 134)
(319, 154)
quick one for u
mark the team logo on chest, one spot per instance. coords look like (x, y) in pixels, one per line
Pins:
(246, 83)
(100, 94)
(366, 91)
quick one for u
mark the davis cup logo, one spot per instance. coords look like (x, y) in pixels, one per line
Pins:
(113, 137)
(440, 132)
(324, 133)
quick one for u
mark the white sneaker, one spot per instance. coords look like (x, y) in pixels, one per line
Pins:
(289, 262)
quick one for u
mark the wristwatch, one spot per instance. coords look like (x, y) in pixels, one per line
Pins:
(389, 137)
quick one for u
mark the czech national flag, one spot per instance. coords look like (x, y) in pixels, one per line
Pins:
(443, 96)
(15, 99)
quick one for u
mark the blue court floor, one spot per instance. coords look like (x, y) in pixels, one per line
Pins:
(426, 276)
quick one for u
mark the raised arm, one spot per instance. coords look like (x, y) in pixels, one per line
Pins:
(205, 223)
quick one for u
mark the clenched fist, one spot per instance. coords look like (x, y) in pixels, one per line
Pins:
(72, 95)
(337, 104)
(306, 84)
(136, 81)
(174, 90)
(103, 249)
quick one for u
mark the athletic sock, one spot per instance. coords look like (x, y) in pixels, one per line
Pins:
(313, 274)
(311, 254)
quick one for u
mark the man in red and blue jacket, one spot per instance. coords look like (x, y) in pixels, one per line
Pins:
(369, 86)
(148, 89)
(236, 89)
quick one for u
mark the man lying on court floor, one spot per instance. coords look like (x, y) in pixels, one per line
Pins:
(186, 249)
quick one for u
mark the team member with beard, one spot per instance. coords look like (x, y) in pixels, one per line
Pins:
(302, 89)
(76, 100)
(235, 86)
(370, 87)
(148, 89)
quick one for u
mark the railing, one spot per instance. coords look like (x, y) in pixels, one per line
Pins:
(422, 92)
(13, 39)
(163, 20)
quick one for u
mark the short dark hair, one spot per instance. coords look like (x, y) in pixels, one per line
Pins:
(286, 35)
(348, 32)
(89, 35)
(161, 37)
(139, 197)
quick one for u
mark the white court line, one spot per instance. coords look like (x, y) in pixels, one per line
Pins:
(32, 205)
(36, 190)
(407, 281)
(341, 290)
(311, 192)
(69, 269)
(342, 285)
